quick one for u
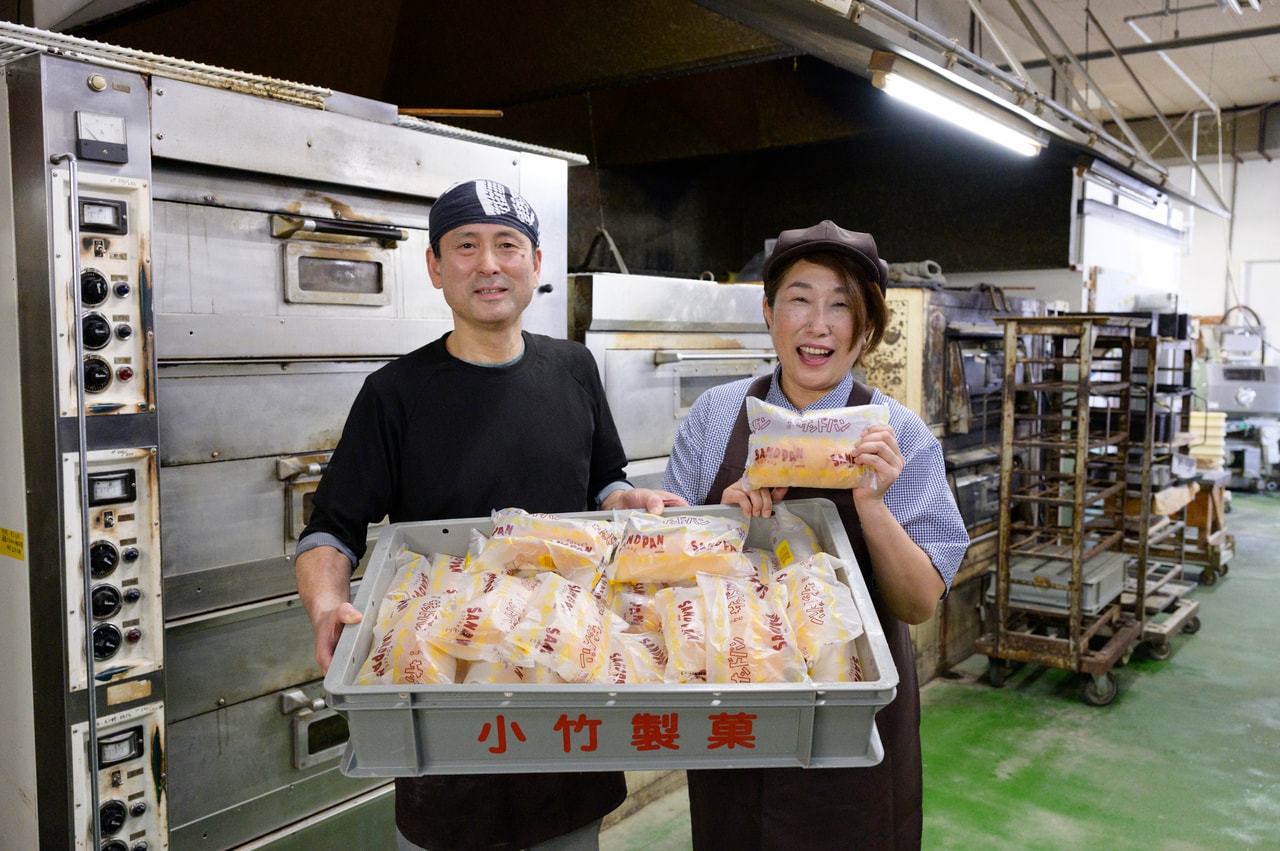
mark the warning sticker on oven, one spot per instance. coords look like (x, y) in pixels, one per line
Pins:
(11, 544)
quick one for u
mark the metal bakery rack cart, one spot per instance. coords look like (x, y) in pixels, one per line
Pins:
(406, 730)
(1069, 394)
(1163, 484)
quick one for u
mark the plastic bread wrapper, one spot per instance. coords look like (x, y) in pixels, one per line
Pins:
(824, 617)
(814, 449)
(598, 536)
(678, 547)
(633, 602)
(792, 539)
(637, 658)
(483, 613)
(565, 629)
(406, 651)
(748, 636)
(684, 630)
(502, 673)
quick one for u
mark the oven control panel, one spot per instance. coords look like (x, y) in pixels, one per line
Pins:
(129, 753)
(123, 612)
(107, 231)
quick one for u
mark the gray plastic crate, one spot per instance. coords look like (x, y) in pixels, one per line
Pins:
(406, 730)
(1044, 582)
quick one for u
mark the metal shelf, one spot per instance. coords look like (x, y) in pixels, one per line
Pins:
(1069, 394)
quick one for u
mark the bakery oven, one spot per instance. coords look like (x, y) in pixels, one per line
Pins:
(659, 343)
(200, 269)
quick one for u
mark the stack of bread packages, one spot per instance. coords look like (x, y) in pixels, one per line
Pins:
(638, 598)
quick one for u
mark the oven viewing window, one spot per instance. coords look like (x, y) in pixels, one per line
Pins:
(330, 275)
(337, 274)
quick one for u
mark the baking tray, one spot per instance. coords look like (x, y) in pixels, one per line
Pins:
(409, 730)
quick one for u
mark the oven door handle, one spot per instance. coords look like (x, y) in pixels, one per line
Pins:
(668, 356)
(297, 466)
(284, 227)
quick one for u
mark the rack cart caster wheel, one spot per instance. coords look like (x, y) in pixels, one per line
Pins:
(1222, 569)
(1099, 689)
(1208, 576)
(995, 672)
(1159, 650)
(1192, 626)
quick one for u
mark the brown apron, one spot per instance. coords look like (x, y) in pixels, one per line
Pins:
(837, 808)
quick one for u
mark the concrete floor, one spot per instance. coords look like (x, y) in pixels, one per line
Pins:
(1186, 757)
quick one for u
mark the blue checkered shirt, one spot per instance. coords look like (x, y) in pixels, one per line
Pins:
(921, 498)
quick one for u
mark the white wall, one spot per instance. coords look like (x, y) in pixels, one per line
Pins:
(1215, 278)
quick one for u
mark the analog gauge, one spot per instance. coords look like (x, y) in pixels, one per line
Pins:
(101, 215)
(115, 748)
(101, 137)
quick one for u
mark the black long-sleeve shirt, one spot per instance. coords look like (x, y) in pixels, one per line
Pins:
(431, 437)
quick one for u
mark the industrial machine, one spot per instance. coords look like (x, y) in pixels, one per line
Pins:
(199, 268)
(1241, 385)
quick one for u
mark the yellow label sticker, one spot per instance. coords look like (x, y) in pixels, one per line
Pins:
(784, 554)
(11, 544)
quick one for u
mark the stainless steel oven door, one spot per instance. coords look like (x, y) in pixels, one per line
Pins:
(251, 746)
(652, 380)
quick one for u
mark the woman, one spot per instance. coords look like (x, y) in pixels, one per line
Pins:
(824, 307)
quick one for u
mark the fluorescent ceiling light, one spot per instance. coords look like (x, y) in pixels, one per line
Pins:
(988, 122)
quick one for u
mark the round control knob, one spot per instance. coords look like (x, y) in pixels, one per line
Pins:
(103, 558)
(1245, 396)
(105, 601)
(138, 809)
(140, 845)
(133, 595)
(123, 290)
(106, 641)
(97, 82)
(111, 816)
(96, 330)
(130, 554)
(124, 332)
(133, 636)
(93, 288)
(97, 375)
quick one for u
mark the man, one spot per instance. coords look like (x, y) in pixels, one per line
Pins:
(485, 417)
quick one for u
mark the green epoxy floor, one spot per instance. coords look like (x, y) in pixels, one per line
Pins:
(1186, 757)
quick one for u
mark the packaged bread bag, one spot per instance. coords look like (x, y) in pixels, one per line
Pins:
(814, 449)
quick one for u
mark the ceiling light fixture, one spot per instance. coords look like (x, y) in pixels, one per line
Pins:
(920, 88)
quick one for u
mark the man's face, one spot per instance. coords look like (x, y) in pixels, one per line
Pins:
(487, 273)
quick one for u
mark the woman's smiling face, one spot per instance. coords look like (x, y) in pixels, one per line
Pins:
(812, 324)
